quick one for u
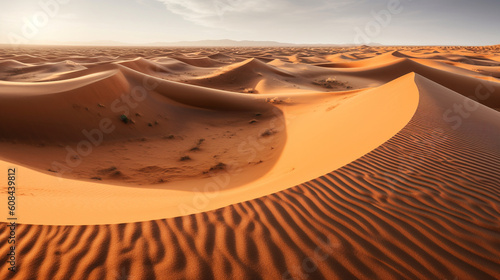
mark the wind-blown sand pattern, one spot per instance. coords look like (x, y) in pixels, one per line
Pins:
(372, 173)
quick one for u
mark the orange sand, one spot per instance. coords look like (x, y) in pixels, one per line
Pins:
(221, 175)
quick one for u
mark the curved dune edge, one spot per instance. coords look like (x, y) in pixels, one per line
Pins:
(32, 89)
(424, 205)
(310, 151)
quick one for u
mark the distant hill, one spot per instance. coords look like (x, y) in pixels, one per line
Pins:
(222, 43)
(94, 43)
(245, 43)
(201, 43)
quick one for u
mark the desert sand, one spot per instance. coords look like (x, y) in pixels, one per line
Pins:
(252, 163)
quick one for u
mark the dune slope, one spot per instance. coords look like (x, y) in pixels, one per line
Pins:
(387, 215)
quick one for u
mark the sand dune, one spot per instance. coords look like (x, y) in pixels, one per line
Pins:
(200, 61)
(352, 163)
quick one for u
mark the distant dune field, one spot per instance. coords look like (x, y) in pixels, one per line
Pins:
(252, 163)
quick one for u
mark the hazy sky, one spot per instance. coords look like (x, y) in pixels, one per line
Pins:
(403, 22)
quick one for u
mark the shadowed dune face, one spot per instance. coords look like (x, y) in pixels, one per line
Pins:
(354, 163)
(126, 127)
